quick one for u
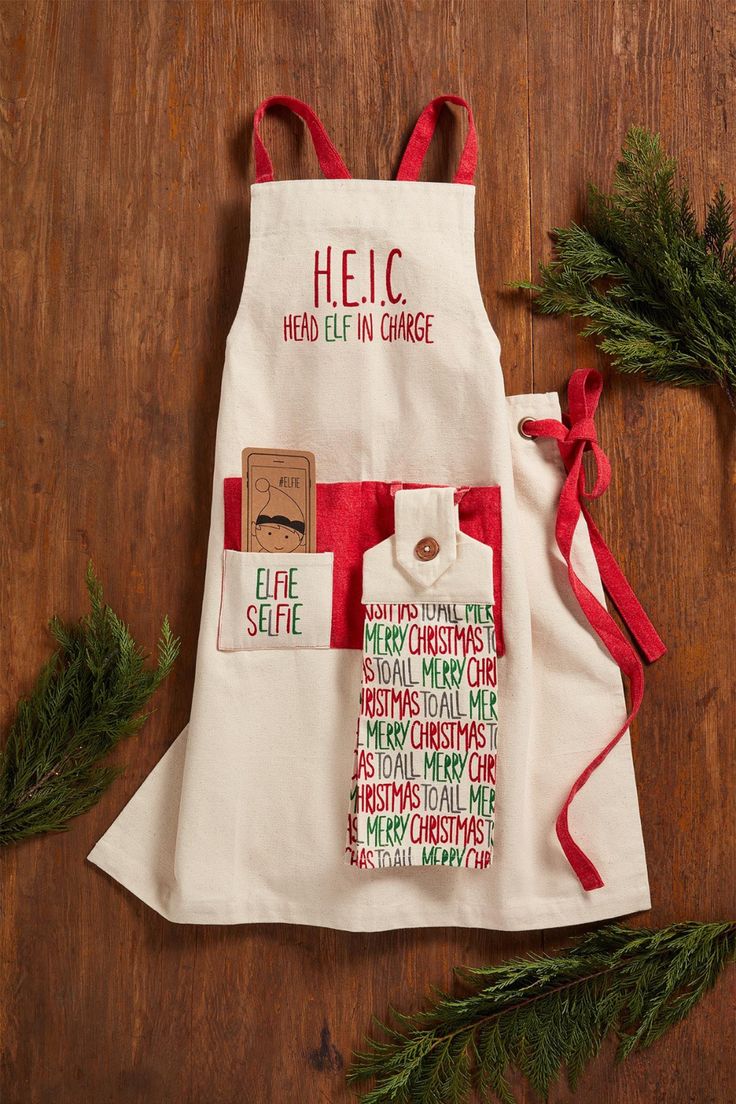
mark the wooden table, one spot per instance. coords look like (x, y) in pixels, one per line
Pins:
(126, 165)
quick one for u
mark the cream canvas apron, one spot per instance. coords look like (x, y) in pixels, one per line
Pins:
(438, 685)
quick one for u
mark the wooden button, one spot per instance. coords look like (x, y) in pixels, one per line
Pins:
(426, 549)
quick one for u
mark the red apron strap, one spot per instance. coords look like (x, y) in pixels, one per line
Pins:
(574, 437)
(330, 162)
(418, 144)
(619, 591)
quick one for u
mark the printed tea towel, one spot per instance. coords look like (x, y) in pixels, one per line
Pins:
(425, 755)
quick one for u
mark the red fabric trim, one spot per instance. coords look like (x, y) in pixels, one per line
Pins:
(623, 597)
(421, 136)
(352, 517)
(330, 161)
(574, 437)
(233, 492)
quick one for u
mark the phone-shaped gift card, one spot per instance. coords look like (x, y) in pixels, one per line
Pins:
(279, 491)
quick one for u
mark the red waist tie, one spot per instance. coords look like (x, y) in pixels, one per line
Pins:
(574, 436)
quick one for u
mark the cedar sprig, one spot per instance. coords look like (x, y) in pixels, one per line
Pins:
(543, 1014)
(658, 293)
(88, 697)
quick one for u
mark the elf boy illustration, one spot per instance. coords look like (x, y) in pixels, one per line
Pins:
(279, 526)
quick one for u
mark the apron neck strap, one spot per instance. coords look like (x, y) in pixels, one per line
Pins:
(330, 162)
(418, 144)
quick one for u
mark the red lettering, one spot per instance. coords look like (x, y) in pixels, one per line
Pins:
(346, 277)
(389, 267)
(251, 620)
(322, 272)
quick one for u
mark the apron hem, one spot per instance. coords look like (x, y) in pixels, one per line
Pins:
(560, 912)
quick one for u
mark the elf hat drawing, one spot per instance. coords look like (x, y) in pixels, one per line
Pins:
(279, 526)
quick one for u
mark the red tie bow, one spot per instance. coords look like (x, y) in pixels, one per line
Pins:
(575, 435)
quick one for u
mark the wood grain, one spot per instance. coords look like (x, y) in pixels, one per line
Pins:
(125, 157)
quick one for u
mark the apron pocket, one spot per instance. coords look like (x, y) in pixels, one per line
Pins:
(353, 517)
(272, 601)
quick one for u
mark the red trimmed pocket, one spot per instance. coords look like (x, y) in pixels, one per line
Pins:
(352, 517)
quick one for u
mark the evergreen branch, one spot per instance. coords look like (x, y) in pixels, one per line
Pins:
(544, 1014)
(87, 698)
(659, 294)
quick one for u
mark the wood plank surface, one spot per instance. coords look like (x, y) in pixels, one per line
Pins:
(125, 165)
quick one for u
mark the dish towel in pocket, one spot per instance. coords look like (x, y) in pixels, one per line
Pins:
(423, 786)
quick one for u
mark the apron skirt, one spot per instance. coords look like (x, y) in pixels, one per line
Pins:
(361, 335)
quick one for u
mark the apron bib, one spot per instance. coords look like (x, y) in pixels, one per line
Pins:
(439, 683)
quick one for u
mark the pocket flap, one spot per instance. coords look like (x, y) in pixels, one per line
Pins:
(426, 522)
(468, 579)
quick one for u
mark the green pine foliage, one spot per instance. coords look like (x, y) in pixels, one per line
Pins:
(658, 293)
(544, 1014)
(87, 698)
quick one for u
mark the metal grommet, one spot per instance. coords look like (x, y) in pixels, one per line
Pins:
(520, 427)
(426, 549)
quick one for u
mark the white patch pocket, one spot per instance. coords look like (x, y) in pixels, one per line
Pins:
(423, 789)
(273, 601)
